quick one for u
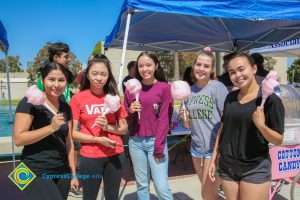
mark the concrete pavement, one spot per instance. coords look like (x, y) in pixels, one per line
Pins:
(184, 188)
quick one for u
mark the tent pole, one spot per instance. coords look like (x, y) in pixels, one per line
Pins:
(124, 51)
(218, 64)
(176, 68)
(10, 109)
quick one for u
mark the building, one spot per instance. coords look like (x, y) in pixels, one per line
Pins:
(115, 55)
(281, 67)
(18, 85)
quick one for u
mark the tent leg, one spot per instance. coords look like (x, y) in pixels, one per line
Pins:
(10, 109)
(124, 51)
(218, 64)
(176, 67)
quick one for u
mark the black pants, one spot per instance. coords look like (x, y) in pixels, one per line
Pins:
(109, 168)
(48, 189)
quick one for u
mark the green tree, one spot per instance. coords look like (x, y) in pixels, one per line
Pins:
(269, 63)
(294, 72)
(166, 60)
(186, 59)
(97, 49)
(74, 65)
(13, 62)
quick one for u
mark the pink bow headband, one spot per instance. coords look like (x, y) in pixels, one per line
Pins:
(207, 49)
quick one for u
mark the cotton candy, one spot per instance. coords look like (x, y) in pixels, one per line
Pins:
(272, 75)
(268, 85)
(111, 104)
(181, 90)
(37, 97)
(134, 86)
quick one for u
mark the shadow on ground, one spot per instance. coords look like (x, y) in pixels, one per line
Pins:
(176, 196)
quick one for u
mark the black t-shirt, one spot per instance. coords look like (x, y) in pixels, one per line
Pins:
(48, 155)
(240, 139)
(262, 72)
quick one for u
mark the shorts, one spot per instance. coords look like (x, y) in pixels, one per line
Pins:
(233, 170)
(197, 154)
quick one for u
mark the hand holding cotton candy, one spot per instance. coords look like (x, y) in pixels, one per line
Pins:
(111, 105)
(268, 85)
(181, 90)
(37, 97)
(134, 86)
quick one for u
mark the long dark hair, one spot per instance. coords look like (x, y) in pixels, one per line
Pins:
(187, 76)
(159, 73)
(111, 86)
(49, 66)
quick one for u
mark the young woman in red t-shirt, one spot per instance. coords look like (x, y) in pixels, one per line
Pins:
(101, 146)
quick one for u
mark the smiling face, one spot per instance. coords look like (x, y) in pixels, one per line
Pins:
(98, 75)
(146, 68)
(55, 83)
(203, 68)
(241, 72)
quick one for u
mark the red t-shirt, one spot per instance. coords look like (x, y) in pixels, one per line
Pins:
(86, 107)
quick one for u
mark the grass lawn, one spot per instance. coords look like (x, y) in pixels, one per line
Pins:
(13, 102)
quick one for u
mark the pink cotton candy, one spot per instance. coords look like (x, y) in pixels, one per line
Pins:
(267, 89)
(35, 96)
(133, 86)
(268, 85)
(180, 90)
(111, 104)
(272, 75)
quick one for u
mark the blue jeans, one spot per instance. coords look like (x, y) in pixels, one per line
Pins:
(141, 152)
(197, 154)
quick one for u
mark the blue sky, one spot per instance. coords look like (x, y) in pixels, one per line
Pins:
(30, 24)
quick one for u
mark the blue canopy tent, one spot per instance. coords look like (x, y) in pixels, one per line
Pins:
(3, 38)
(185, 25)
(4, 47)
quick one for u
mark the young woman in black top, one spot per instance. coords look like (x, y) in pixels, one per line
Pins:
(246, 130)
(48, 145)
